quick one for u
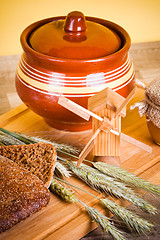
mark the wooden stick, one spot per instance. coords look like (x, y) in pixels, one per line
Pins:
(80, 160)
(135, 142)
(77, 109)
(126, 101)
(88, 147)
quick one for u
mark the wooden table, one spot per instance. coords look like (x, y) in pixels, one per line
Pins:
(62, 221)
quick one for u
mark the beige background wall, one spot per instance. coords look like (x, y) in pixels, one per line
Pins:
(141, 18)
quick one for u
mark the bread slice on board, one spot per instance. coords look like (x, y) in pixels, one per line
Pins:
(21, 193)
(38, 158)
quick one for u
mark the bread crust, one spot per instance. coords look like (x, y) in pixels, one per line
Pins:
(21, 193)
(38, 158)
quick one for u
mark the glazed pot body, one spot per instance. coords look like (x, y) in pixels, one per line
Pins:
(154, 131)
(41, 79)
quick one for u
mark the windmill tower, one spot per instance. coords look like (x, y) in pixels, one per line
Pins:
(105, 104)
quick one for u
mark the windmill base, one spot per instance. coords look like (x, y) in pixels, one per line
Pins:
(114, 160)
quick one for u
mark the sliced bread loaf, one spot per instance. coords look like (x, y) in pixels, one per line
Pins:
(21, 193)
(38, 158)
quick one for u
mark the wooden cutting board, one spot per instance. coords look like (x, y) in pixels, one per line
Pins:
(64, 221)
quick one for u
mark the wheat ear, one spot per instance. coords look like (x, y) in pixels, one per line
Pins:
(133, 221)
(25, 139)
(62, 170)
(62, 192)
(9, 140)
(61, 147)
(101, 182)
(104, 223)
(99, 218)
(125, 176)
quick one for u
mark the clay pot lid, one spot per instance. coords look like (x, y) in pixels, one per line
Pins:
(74, 38)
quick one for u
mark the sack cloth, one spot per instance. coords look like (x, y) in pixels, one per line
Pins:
(150, 105)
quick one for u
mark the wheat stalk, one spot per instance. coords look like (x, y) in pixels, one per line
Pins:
(64, 172)
(8, 140)
(133, 221)
(104, 223)
(15, 136)
(125, 176)
(101, 182)
(61, 147)
(99, 218)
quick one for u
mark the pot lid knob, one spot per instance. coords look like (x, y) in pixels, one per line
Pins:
(75, 22)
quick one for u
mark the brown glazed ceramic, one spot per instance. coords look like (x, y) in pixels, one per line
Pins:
(154, 131)
(72, 56)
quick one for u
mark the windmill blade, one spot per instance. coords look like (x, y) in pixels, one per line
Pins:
(126, 101)
(77, 109)
(87, 148)
(135, 142)
(74, 107)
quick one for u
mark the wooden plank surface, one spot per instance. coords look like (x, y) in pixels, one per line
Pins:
(61, 220)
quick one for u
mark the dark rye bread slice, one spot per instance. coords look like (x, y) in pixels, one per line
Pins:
(38, 158)
(21, 194)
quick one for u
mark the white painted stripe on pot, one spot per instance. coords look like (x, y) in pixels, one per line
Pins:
(72, 95)
(52, 93)
(125, 84)
(91, 79)
(62, 76)
(73, 90)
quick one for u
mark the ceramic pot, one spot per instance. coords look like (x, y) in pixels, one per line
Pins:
(74, 56)
(154, 131)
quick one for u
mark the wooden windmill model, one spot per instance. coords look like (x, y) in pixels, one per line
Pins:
(106, 108)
